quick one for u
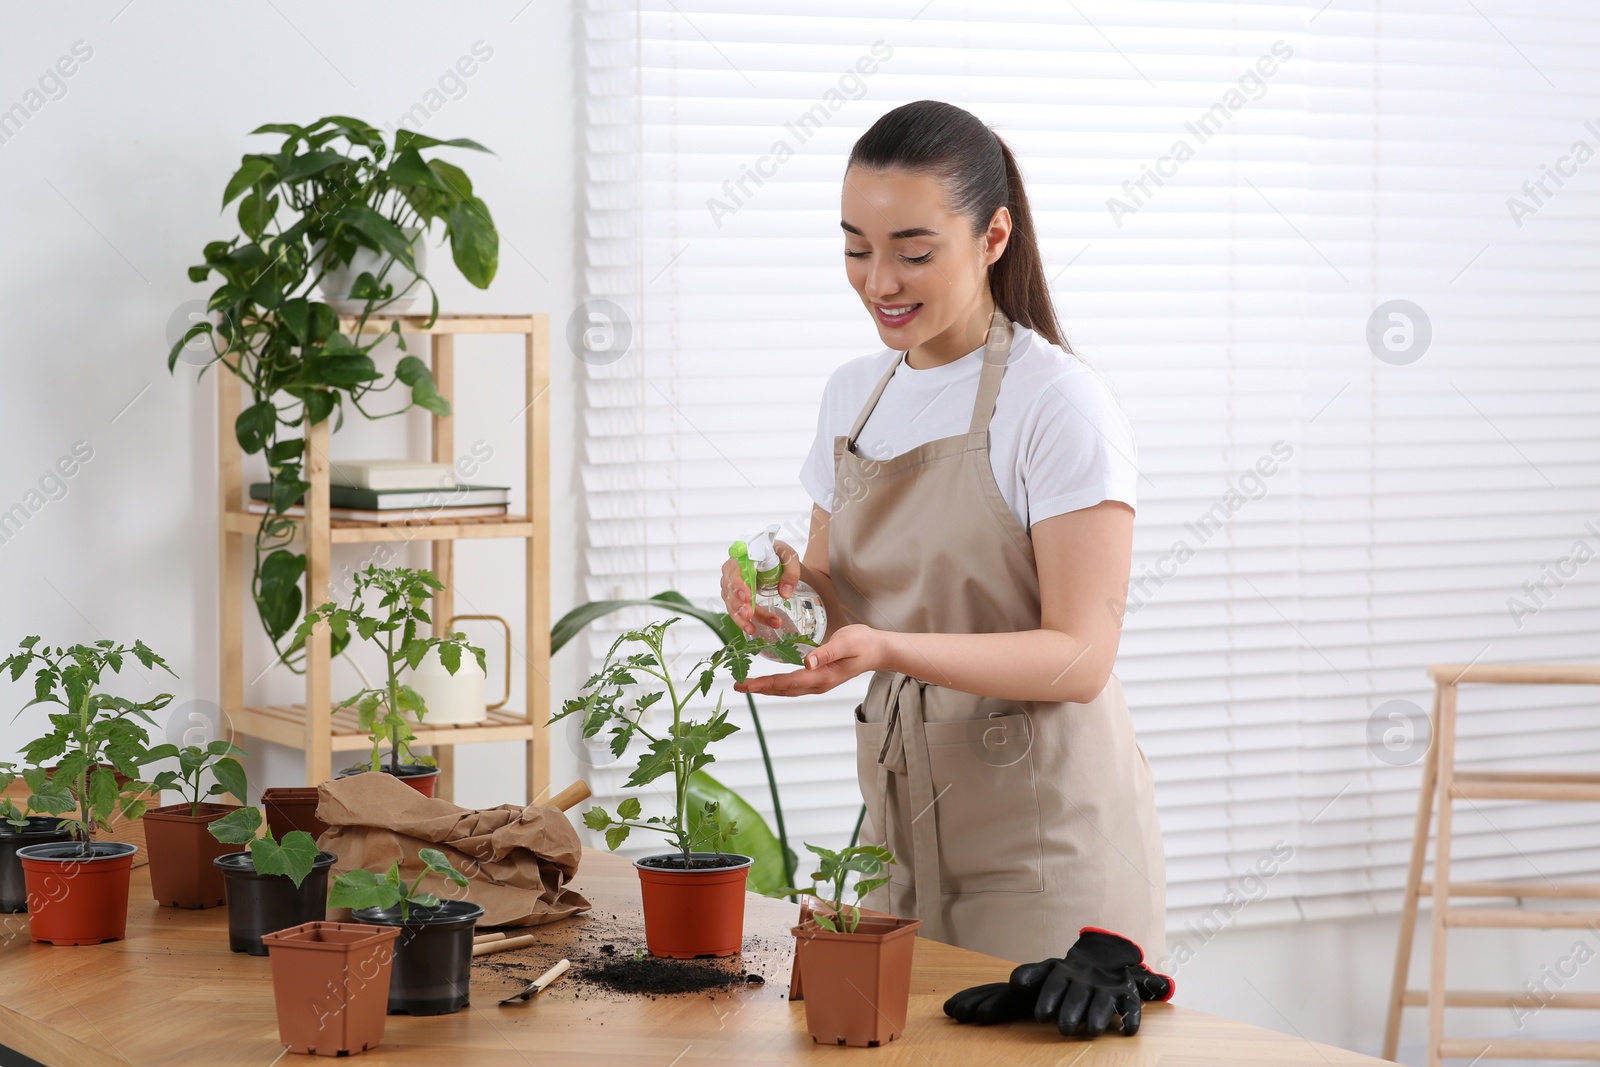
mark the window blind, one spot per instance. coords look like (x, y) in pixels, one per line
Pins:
(1230, 197)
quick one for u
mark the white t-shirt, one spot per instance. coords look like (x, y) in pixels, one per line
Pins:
(1058, 440)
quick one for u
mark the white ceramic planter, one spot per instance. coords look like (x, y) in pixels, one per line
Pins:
(336, 283)
(450, 698)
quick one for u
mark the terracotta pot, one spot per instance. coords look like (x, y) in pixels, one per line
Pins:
(182, 851)
(856, 985)
(433, 958)
(39, 831)
(76, 898)
(292, 808)
(698, 912)
(418, 776)
(261, 903)
(330, 982)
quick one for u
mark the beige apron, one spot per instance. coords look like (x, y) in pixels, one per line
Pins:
(1014, 824)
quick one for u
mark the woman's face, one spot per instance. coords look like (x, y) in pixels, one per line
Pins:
(919, 269)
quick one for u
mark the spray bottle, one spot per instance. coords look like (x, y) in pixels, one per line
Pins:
(801, 612)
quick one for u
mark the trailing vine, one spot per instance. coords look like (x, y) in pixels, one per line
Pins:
(340, 187)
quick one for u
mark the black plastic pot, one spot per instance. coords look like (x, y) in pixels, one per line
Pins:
(433, 957)
(263, 903)
(40, 831)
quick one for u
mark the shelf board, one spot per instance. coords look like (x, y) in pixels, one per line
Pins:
(285, 724)
(444, 324)
(351, 532)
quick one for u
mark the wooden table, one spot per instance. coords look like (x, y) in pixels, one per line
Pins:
(172, 993)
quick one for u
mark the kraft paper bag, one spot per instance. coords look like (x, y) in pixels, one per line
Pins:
(519, 860)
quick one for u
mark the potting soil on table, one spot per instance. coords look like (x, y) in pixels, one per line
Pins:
(605, 964)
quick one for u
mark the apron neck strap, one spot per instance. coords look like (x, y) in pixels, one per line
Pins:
(872, 401)
(996, 350)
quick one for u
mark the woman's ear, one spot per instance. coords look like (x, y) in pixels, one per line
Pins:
(997, 236)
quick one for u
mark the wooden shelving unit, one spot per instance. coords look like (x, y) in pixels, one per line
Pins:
(313, 726)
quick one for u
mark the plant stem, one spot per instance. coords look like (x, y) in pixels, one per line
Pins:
(83, 775)
(680, 767)
(394, 705)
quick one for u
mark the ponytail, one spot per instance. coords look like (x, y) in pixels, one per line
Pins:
(1017, 278)
(981, 176)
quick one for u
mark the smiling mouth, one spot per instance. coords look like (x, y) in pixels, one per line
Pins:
(895, 314)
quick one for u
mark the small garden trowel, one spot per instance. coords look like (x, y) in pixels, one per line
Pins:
(539, 983)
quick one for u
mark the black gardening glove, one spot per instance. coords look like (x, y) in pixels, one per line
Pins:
(1096, 958)
(1103, 974)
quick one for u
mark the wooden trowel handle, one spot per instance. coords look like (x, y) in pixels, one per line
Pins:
(576, 793)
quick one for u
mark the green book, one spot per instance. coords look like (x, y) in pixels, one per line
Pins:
(460, 496)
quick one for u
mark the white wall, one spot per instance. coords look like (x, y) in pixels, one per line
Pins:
(111, 189)
(108, 193)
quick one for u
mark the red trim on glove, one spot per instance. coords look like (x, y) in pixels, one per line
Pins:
(1172, 984)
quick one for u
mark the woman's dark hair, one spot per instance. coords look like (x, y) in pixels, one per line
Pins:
(980, 173)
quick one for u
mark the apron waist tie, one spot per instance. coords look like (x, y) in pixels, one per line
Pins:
(905, 752)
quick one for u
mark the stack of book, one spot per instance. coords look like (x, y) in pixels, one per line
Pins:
(397, 491)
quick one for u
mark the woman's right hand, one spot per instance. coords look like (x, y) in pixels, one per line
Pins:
(736, 594)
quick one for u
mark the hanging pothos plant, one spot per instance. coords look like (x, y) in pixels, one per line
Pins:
(333, 188)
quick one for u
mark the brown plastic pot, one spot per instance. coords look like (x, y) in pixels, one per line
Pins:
(698, 912)
(418, 776)
(182, 851)
(856, 985)
(77, 896)
(330, 982)
(293, 808)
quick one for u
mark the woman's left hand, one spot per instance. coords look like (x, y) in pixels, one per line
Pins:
(853, 650)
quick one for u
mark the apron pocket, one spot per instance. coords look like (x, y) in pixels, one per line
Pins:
(869, 739)
(988, 804)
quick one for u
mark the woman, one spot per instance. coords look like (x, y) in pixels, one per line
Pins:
(975, 559)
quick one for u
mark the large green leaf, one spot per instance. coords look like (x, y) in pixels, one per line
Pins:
(379, 231)
(474, 244)
(294, 857)
(452, 178)
(347, 371)
(309, 163)
(407, 168)
(251, 170)
(237, 827)
(279, 596)
(415, 373)
(404, 139)
(256, 212)
(102, 792)
(230, 776)
(363, 889)
(570, 624)
(254, 426)
(753, 837)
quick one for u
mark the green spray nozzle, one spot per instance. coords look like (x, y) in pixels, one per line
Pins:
(740, 552)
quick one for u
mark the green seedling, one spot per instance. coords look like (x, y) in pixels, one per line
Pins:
(678, 750)
(391, 623)
(293, 857)
(9, 812)
(364, 889)
(834, 869)
(95, 739)
(218, 757)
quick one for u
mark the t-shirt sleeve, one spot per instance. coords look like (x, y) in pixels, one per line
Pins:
(816, 474)
(1081, 449)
